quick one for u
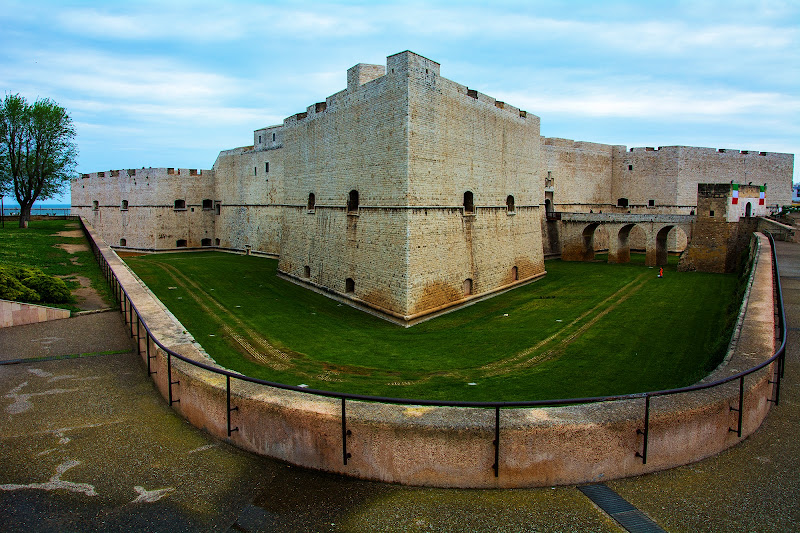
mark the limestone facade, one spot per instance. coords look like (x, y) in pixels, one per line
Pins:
(406, 192)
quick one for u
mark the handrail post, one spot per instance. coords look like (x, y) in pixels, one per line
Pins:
(150, 372)
(646, 432)
(740, 410)
(170, 383)
(228, 388)
(777, 379)
(345, 433)
(138, 334)
(496, 441)
(130, 313)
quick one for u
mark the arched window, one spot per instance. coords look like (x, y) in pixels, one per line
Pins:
(306, 271)
(467, 286)
(312, 201)
(349, 285)
(180, 204)
(123, 242)
(622, 202)
(514, 273)
(352, 202)
(748, 209)
(510, 203)
(469, 205)
(548, 207)
(180, 243)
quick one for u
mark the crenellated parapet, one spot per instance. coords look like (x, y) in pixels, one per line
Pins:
(133, 173)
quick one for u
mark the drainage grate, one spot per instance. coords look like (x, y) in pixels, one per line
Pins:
(628, 516)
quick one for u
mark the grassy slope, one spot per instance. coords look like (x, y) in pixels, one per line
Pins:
(35, 246)
(615, 328)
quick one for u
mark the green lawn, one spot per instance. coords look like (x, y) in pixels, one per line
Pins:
(585, 329)
(37, 246)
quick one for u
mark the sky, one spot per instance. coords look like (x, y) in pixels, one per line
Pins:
(172, 83)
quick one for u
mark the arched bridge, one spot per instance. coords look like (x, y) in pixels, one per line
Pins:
(578, 234)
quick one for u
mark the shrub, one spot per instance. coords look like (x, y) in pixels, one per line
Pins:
(12, 289)
(50, 288)
(32, 285)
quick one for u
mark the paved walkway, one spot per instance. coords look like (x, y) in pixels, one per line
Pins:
(87, 444)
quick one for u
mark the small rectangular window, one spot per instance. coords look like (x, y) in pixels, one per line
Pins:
(266, 166)
(711, 213)
(95, 205)
(630, 167)
(651, 203)
(255, 171)
(273, 137)
(259, 139)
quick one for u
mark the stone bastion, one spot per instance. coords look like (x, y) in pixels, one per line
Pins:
(455, 446)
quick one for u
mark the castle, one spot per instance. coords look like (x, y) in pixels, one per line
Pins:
(407, 193)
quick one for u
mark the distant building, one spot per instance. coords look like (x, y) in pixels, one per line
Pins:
(407, 193)
(796, 193)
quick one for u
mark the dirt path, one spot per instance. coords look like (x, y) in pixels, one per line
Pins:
(86, 297)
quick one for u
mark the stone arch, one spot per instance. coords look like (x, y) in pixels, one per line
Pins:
(589, 243)
(510, 203)
(619, 246)
(748, 209)
(665, 236)
(349, 285)
(312, 202)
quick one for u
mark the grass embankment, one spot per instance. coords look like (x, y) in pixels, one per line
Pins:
(585, 329)
(58, 248)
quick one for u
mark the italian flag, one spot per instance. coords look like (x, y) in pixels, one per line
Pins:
(762, 195)
(735, 199)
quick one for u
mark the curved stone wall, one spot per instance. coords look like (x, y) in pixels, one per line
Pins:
(453, 447)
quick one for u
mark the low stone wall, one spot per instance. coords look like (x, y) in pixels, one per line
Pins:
(18, 314)
(453, 447)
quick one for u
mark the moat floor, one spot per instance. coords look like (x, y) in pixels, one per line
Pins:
(87, 444)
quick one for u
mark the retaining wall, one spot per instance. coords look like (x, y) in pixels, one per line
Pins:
(17, 314)
(454, 447)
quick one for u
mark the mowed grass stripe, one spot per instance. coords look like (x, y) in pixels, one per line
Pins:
(545, 349)
(604, 329)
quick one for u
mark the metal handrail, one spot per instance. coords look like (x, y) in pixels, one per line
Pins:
(129, 309)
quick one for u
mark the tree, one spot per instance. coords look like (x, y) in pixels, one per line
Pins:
(37, 151)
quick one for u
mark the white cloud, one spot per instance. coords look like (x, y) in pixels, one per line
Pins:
(656, 102)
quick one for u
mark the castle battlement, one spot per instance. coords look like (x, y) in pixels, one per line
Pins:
(144, 172)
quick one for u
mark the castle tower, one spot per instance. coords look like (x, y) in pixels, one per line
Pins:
(410, 193)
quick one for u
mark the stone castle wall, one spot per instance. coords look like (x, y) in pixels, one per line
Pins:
(353, 144)
(250, 196)
(136, 208)
(463, 142)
